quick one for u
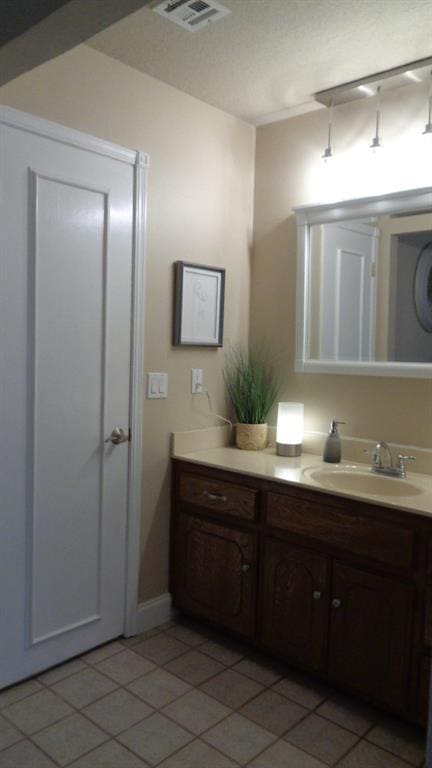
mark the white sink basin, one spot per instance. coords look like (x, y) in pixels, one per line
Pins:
(359, 480)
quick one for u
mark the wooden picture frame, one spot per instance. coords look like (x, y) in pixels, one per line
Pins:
(198, 305)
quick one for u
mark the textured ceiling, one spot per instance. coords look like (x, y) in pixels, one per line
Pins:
(270, 56)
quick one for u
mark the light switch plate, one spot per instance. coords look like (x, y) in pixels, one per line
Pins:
(157, 386)
(196, 381)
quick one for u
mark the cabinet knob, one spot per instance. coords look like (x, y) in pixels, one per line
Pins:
(246, 567)
(336, 603)
(317, 595)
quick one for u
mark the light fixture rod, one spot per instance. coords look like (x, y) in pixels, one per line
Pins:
(377, 121)
(328, 153)
(428, 126)
(376, 142)
(330, 124)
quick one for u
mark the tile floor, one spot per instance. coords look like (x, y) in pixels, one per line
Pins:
(182, 697)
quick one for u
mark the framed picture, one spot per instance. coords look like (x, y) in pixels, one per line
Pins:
(199, 305)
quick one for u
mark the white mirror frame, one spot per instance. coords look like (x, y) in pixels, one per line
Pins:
(396, 202)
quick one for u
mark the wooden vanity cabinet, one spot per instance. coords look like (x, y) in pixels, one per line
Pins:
(214, 560)
(294, 617)
(332, 585)
(215, 573)
(370, 634)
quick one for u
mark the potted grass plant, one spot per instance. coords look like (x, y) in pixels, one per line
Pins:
(253, 389)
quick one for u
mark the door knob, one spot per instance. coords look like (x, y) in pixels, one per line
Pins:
(336, 603)
(117, 436)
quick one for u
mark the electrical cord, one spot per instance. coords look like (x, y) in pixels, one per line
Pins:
(204, 391)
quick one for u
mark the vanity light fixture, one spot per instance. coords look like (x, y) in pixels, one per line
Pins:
(376, 141)
(428, 127)
(328, 152)
(412, 72)
(289, 430)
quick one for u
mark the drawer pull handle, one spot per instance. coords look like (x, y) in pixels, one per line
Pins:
(317, 595)
(336, 603)
(246, 567)
(214, 496)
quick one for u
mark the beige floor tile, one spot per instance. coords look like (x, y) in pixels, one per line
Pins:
(168, 625)
(117, 711)
(197, 754)
(303, 690)
(194, 667)
(155, 738)
(321, 738)
(159, 688)
(109, 755)
(85, 687)
(17, 692)
(161, 648)
(187, 635)
(405, 741)
(37, 711)
(125, 666)
(103, 652)
(349, 713)
(8, 734)
(239, 738)
(284, 755)
(24, 755)
(62, 671)
(70, 738)
(196, 711)
(226, 652)
(129, 642)
(261, 669)
(274, 712)
(231, 688)
(366, 755)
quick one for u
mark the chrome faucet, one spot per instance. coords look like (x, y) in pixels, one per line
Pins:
(382, 461)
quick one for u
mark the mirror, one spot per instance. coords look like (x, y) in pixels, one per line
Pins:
(364, 286)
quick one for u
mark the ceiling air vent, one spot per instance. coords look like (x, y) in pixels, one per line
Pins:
(191, 14)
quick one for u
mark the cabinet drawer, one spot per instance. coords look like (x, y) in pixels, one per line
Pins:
(354, 533)
(218, 496)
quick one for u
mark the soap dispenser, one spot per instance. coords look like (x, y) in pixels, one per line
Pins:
(333, 446)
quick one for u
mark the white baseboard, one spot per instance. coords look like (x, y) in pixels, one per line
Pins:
(154, 612)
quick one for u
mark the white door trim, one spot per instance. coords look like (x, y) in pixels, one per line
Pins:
(140, 161)
(136, 396)
(56, 132)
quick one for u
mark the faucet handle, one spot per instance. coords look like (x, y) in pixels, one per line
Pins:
(402, 458)
(400, 466)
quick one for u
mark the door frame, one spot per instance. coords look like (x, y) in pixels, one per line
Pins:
(140, 162)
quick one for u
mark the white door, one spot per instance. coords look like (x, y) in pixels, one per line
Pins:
(347, 291)
(66, 229)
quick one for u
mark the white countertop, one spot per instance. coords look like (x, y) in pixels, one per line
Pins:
(267, 465)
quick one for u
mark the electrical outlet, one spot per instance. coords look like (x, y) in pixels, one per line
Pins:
(196, 381)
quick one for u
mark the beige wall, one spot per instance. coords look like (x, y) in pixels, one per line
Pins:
(200, 207)
(289, 172)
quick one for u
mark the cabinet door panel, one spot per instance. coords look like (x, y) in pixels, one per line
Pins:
(295, 603)
(370, 634)
(215, 573)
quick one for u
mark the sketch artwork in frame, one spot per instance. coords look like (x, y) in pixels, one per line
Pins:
(199, 305)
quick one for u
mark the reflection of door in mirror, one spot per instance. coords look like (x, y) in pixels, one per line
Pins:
(400, 334)
(342, 321)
